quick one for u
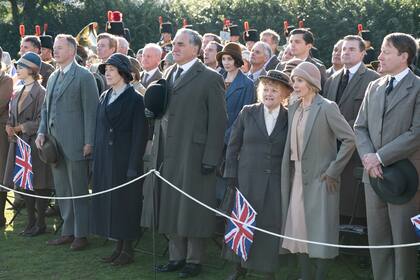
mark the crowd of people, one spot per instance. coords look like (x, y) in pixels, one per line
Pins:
(213, 115)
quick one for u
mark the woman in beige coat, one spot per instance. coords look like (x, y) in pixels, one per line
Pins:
(311, 170)
(25, 114)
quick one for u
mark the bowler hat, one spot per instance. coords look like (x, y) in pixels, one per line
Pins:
(30, 60)
(156, 98)
(121, 61)
(251, 35)
(49, 151)
(46, 41)
(279, 76)
(399, 183)
(234, 50)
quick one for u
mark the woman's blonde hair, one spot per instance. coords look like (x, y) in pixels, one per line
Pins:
(279, 85)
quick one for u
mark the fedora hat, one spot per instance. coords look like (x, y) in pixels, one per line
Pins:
(156, 98)
(399, 183)
(232, 49)
(279, 76)
(49, 151)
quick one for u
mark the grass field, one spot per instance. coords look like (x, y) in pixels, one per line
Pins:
(30, 258)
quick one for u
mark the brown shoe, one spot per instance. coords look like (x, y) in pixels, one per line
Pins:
(123, 259)
(61, 241)
(111, 258)
(79, 244)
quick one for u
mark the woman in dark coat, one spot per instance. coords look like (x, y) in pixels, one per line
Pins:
(120, 140)
(253, 164)
(240, 91)
(24, 117)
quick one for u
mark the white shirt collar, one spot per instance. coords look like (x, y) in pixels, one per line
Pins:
(67, 68)
(185, 67)
(274, 113)
(151, 72)
(400, 76)
(354, 68)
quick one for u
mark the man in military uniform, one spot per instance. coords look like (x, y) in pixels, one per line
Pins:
(370, 51)
(166, 38)
(47, 43)
(250, 38)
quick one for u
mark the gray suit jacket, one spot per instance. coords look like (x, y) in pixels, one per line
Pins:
(156, 76)
(352, 98)
(393, 133)
(75, 111)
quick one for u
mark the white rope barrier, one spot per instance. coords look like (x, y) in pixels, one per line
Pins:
(79, 196)
(218, 213)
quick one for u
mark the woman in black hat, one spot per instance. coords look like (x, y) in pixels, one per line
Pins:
(253, 163)
(120, 140)
(240, 91)
(24, 118)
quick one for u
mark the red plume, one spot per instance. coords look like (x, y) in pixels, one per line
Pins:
(246, 26)
(360, 27)
(37, 30)
(110, 15)
(184, 22)
(45, 28)
(117, 16)
(301, 24)
(285, 25)
(160, 20)
(22, 30)
(227, 22)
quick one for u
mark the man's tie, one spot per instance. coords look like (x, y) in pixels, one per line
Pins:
(343, 84)
(251, 76)
(145, 78)
(178, 73)
(390, 86)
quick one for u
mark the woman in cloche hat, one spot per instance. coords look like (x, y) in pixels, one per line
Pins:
(120, 141)
(24, 117)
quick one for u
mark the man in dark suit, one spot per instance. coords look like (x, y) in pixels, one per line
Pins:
(301, 42)
(193, 128)
(68, 114)
(272, 38)
(347, 88)
(33, 44)
(335, 59)
(387, 130)
(150, 62)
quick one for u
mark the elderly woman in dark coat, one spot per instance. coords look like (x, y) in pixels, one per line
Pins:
(24, 117)
(120, 140)
(253, 164)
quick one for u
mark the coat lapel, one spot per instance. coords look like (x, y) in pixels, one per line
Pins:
(353, 82)
(189, 75)
(281, 122)
(68, 78)
(401, 91)
(236, 84)
(335, 82)
(316, 105)
(30, 98)
(259, 119)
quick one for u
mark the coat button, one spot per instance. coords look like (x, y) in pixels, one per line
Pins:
(110, 143)
(111, 130)
(268, 171)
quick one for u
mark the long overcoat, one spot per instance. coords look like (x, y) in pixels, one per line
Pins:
(255, 158)
(325, 125)
(193, 128)
(6, 91)
(29, 117)
(120, 140)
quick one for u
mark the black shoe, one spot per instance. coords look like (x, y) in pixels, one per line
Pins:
(36, 230)
(239, 273)
(190, 270)
(171, 266)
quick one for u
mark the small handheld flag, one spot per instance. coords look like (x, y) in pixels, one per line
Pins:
(416, 223)
(239, 237)
(22, 175)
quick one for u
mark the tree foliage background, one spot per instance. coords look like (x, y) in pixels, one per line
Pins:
(328, 19)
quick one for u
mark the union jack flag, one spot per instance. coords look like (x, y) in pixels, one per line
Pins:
(239, 237)
(23, 166)
(416, 223)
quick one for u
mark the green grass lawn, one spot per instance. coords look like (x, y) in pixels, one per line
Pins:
(30, 258)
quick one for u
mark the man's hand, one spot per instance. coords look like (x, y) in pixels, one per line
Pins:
(39, 141)
(10, 131)
(370, 161)
(331, 183)
(87, 150)
(376, 172)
